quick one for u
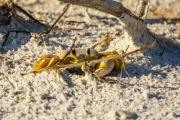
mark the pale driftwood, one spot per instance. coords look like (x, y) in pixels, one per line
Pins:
(142, 8)
(133, 24)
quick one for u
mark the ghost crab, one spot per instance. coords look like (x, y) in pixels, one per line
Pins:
(90, 60)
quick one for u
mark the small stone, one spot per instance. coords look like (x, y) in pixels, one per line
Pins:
(121, 115)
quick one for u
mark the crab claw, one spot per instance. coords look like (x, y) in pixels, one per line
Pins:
(45, 62)
(104, 68)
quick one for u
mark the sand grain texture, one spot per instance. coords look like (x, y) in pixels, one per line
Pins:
(152, 92)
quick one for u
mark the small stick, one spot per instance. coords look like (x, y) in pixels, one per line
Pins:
(104, 59)
(72, 46)
(64, 11)
(140, 49)
(58, 62)
(142, 8)
(123, 66)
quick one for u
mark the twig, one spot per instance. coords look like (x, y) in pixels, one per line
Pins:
(142, 8)
(103, 59)
(64, 11)
(71, 48)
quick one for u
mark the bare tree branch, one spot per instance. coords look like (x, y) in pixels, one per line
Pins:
(142, 8)
(133, 24)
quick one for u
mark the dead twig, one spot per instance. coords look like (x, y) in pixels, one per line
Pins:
(142, 8)
(62, 14)
(92, 62)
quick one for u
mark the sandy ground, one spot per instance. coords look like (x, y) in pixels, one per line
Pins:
(152, 91)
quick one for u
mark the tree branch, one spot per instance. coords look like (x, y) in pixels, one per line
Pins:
(134, 25)
(142, 8)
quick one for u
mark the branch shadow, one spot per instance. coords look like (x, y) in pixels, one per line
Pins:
(3, 113)
(24, 29)
(105, 20)
(165, 54)
(162, 20)
(158, 64)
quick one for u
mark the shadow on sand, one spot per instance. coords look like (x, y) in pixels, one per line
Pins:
(170, 57)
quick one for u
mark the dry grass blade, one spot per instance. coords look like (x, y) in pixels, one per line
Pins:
(72, 46)
(64, 11)
(142, 8)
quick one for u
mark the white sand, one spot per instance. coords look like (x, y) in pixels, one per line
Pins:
(151, 92)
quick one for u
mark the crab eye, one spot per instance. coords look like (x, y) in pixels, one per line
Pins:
(73, 52)
(88, 51)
